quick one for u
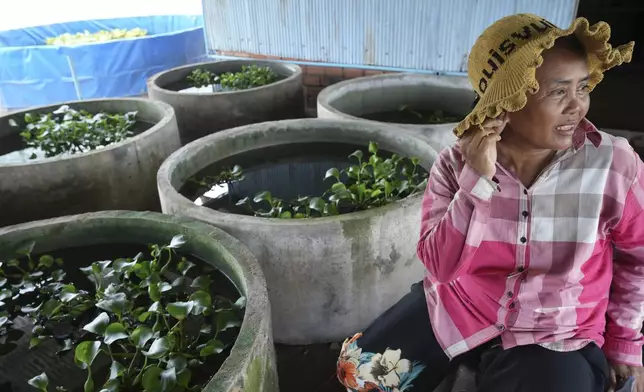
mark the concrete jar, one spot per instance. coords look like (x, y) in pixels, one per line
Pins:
(358, 97)
(120, 176)
(251, 364)
(202, 113)
(327, 277)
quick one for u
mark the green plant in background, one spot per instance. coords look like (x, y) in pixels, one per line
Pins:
(373, 181)
(437, 116)
(151, 317)
(100, 36)
(202, 78)
(68, 131)
(226, 176)
(249, 77)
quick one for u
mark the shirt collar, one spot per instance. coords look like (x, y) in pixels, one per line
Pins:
(586, 130)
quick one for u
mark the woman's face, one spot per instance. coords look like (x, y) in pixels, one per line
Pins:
(551, 116)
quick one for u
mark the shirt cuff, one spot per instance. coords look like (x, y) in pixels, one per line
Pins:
(624, 353)
(471, 182)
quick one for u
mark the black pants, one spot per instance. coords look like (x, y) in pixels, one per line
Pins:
(406, 326)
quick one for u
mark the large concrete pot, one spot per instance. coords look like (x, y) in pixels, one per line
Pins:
(200, 114)
(355, 98)
(251, 364)
(120, 176)
(327, 277)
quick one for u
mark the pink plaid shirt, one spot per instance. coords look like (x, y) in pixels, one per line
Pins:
(559, 264)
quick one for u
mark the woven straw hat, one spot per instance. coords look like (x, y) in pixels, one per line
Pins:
(503, 61)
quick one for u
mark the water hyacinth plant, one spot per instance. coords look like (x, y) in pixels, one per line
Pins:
(70, 131)
(152, 322)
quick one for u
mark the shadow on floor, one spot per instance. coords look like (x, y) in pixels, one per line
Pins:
(308, 368)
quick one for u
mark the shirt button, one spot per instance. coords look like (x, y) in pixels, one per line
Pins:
(524, 240)
(525, 191)
(520, 269)
(501, 327)
(510, 294)
(511, 306)
(525, 214)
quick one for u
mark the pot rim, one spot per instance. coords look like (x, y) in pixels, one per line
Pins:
(257, 312)
(168, 116)
(169, 192)
(153, 81)
(335, 91)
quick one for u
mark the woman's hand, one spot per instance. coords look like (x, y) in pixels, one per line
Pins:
(623, 372)
(478, 146)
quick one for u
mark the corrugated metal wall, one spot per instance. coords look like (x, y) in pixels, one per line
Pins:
(431, 35)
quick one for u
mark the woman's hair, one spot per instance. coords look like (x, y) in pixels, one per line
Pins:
(571, 43)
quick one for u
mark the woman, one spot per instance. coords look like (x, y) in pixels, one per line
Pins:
(519, 223)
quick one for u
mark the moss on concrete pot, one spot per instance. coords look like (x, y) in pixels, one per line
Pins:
(382, 96)
(251, 363)
(119, 176)
(200, 114)
(327, 277)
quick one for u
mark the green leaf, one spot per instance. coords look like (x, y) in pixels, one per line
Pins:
(160, 347)
(3, 320)
(41, 382)
(286, 215)
(201, 300)
(165, 286)
(67, 296)
(68, 345)
(30, 309)
(3, 281)
(263, 196)
(58, 275)
(155, 308)
(178, 362)
(27, 287)
(317, 204)
(115, 303)
(177, 241)
(184, 266)
(86, 352)
(99, 324)
(158, 380)
(373, 147)
(152, 378)
(116, 370)
(35, 341)
(358, 155)
(51, 308)
(226, 319)
(183, 377)
(114, 332)
(154, 292)
(144, 316)
(4, 294)
(46, 261)
(180, 310)
(212, 347)
(333, 172)
(141, 335)
(202, 283)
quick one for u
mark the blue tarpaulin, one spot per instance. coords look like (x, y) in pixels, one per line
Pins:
(32, 73)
